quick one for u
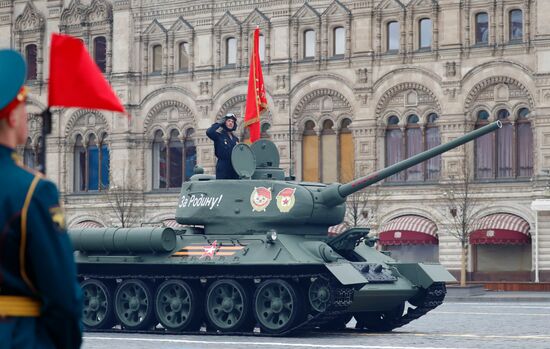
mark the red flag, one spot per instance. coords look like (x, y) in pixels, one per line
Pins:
(256, 101)
(75, 79)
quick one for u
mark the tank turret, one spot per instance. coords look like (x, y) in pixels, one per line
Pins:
(263, 199)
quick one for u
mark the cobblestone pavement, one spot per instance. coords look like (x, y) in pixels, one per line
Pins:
(452, 325)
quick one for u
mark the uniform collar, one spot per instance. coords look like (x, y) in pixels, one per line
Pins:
(7, 152)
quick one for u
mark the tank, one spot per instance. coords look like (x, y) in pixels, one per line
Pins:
(254, 255)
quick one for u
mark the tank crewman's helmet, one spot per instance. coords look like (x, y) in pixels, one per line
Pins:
(230, 116)
(13, 71)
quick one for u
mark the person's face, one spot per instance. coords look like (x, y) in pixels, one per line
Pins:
(19, 115)
(229, 123)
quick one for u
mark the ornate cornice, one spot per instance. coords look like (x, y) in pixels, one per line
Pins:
(30, 20)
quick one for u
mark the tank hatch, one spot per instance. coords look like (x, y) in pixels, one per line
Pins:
(243, 160)
(267, 160)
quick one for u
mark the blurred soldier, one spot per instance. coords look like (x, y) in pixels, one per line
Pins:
(40, 300)
(221, 133)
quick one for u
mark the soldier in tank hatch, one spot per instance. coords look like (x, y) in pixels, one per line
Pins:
(222, 133)
(40, 300)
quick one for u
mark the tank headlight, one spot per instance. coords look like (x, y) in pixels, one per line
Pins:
(271, 236)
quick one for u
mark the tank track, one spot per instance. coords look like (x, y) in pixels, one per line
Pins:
(431, 298)
(341, 299)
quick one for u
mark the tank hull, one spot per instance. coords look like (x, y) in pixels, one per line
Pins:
(264, 272)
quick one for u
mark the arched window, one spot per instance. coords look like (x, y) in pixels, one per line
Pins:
(29, 154)
(347, 151)
(524, 144)
(80, 164)
(173, 160)
(393, 36)
(230, 51)
(394, 146)
(159, 161)
(482, 28)
(425, 33)
(329, 159)
(414, 145)
(157, 59)
(504, 147)
(261, 48)
(190, 154)
(310, 153)
(309, 43)
(183, 56)
(339, 43)
(100, 52)
(516, 25)
(263, 130)
(484, 149)
(433, 139)
(31, 58)
(92, 163)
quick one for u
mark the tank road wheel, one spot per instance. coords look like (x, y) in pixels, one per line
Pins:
(98, 307)
(134, 305)
(177, 306)
(381, 321)
(228, 306)
(277, 306)
(319, 295)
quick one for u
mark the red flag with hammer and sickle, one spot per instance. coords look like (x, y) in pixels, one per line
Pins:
(256, 101)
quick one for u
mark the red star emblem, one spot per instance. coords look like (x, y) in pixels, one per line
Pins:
(210, 251)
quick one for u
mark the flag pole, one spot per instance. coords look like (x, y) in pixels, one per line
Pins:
(46, 130)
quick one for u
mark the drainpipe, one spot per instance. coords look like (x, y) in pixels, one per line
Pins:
(536, 246)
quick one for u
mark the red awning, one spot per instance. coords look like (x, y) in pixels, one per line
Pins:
(501, 229)
(409, 230)
(337, 229)
(171, 223)
(87, 224)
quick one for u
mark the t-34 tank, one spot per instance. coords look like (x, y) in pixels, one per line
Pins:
(255, 253)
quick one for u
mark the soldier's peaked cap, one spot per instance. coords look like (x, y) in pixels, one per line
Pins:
(13, 71)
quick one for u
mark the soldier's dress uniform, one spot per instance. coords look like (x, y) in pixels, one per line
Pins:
(223, 146)
(40, 300)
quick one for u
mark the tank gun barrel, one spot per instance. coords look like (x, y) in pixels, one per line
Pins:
(334, 195)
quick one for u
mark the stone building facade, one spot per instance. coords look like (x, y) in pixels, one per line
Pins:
(352, 86)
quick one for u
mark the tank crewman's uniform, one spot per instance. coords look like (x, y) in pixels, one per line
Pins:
(224, 142)
(40, 300)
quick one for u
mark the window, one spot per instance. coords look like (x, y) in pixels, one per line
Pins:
(183, 56)
(31, 58)
(230, 51)
(157, 59)
(524, 144)
(516, 25)
(329, 155)
(482, 28)
(339, 43)
(173, 160)
(393, 36)
(92, 164)
(394, 146)
(261, 48)
(425, 33)
(309, 44)
(484, 149)
(433, 139)
(31, 154)
(263, 130)
(100, 53)
(347, 151)
(310, 151)
(413, 135)
(401, 145)
(509, 152)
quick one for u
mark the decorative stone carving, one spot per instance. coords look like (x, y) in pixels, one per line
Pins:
(204, 87)
(450, 69)
(312, 102)
(362, 76)
(281, 82)
(30, 19)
